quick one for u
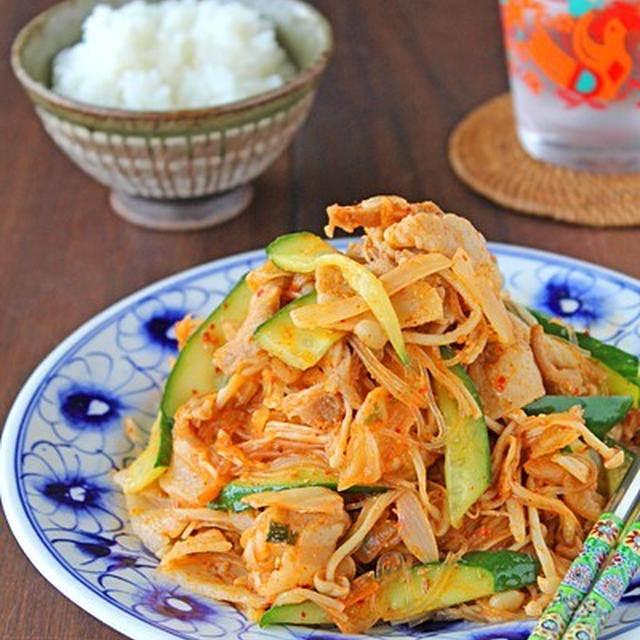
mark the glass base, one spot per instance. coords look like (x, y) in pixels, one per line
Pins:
(551, 150)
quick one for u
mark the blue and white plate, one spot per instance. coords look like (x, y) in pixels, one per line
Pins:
(64, 437)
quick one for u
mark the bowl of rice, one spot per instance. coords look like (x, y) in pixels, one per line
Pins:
(175, 105)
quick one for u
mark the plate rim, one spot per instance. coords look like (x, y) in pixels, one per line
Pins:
(29, 538)
(25, 534)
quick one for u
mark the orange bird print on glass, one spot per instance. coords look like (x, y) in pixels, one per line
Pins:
(590, 57)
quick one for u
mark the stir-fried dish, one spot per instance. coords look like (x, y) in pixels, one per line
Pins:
(381, 435)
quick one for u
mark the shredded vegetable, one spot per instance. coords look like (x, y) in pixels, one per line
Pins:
(335, 484)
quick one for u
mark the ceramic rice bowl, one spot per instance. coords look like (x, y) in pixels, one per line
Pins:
(164, 166)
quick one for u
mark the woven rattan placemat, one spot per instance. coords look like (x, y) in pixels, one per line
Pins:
(485, 153)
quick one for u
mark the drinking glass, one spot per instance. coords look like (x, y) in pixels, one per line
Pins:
(574, 71)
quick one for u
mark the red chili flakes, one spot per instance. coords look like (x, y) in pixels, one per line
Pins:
(500, 384)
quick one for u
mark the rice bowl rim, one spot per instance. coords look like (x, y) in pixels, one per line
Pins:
(302, 79)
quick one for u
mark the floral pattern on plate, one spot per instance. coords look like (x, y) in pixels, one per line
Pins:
(64, 438)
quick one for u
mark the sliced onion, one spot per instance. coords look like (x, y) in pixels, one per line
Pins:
(415, 528)
(372, 291)
(302, 500)
(480, 288)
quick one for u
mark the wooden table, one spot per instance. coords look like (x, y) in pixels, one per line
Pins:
(403, 73)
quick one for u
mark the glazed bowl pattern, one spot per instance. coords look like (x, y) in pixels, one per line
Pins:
(174, 154)
(209, 158)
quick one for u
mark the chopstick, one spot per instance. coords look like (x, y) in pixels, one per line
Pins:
(600, 602)
(596, 580)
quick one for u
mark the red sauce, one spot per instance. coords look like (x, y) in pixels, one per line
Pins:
(500, 384)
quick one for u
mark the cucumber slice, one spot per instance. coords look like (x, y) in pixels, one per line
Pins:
(410, 597)
(621, 386)
(144, 469)
(193, 372)
(308, 613)
(230, 497)
(476, 575)
(623, 368)
(304, 252)
(300, 348)
(600, 412)
(298, 251)
(510, 569)
(467, 456)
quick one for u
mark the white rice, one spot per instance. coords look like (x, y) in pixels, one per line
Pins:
(171, 55)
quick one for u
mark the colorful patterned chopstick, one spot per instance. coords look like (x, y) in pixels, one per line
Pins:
(579, 578)
(600, 602)
(580, 587)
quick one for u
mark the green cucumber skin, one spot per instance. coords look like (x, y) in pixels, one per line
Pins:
(626, 364)
(508, 569)
(287, 242)
(305, 613)
(482, 573)
(620, 386)
(447, 353)
(293, 249)
(230, 497)
(600, 412)
(282, 316)
(165, 448)
(300, 348)
(283, 313)
(237, 300)
(476, 474)
(239, 296)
